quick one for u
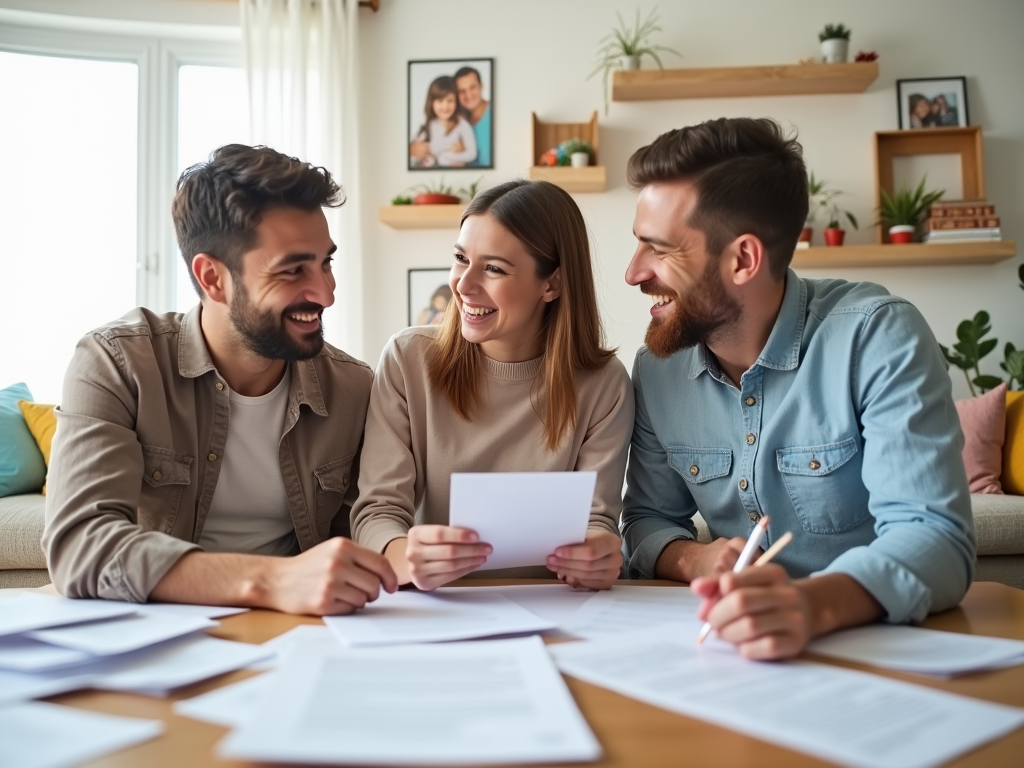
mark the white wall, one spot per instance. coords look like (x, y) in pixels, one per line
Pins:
(543, 52)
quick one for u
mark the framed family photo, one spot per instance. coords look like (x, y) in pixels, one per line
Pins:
(932, 102)
(451, 114)
(429, 295)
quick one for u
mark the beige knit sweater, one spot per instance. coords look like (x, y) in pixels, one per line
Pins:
(414, 440)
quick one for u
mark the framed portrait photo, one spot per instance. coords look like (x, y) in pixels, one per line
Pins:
(429, 295)
(451, 114)
(932, 102)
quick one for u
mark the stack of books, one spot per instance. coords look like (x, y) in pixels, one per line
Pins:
(961, 221)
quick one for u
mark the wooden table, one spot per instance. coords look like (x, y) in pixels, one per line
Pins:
(632, 733)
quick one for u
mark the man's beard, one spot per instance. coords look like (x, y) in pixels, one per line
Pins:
(698, 314)
(263, 333)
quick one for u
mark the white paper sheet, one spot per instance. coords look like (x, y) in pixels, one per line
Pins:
(279, 647)
(121, 635)
(627, 608)
(926, 651)
(556, 602)
(454, 704)
(230, 706)
(452, 613)
(160, 669)
(525, 516)
(852, 718)
(38, 735)
(187, 609)
(29, 611)
(22, 686)
(23, 654)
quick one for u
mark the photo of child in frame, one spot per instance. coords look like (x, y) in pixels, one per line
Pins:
(450, 114)
(932, 103)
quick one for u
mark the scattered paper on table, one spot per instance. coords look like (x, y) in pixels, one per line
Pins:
(913, 649)
(454, 704)
(627, 608)
(556, 602)
(279, 647)
(38, 735)
(23, 654)
(123, 634)
(524, 516)
(22, 686)
(187, 609)
(230, 706)
(451, 613)
(28, 611)
(852, 718)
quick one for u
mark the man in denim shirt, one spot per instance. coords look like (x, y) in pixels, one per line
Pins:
(823, 404)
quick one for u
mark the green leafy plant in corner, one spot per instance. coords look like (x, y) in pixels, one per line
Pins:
(833, 32)
(972, 346)
(822, 199)
(628, 41)
(906, 206)
(434, 188)
(834, 212)
(401, 200)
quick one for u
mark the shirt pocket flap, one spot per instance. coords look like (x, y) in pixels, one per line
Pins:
(699, 465)
(335, 475)
(816, 460)
(164, 467)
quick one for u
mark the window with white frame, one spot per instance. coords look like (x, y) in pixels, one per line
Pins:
(94, 131)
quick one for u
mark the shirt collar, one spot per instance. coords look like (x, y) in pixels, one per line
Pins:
(782, 351)
(194, 360)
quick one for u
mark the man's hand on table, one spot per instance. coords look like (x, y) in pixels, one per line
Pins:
(687, 560)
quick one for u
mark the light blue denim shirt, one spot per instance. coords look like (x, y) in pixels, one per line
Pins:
(843, 432)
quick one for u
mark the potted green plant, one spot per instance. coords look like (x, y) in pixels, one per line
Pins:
(834, 232)
(820, 200)
(901, 212)
(437, 193)
(835, 43)
(624, 46)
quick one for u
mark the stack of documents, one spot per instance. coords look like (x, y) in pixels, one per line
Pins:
(453, 704)
(51, 645)
(925, 651)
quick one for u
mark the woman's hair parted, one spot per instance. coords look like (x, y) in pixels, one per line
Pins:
(750, 178)
(545, 219)
(219, 203)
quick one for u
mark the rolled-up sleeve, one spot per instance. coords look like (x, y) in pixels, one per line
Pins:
(93, 543)
(658, 508)
(922, 560)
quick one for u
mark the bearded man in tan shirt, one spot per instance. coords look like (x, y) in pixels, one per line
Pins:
(211, 457)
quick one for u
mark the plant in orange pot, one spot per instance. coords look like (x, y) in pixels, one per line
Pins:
(437, 193)
(834, 232)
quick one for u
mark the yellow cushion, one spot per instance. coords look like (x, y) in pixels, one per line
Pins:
(1013, 447)
(42, 423)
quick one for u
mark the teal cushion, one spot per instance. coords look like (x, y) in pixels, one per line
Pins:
(22, 469)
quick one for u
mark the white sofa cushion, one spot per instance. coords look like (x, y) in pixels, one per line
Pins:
(21, 529)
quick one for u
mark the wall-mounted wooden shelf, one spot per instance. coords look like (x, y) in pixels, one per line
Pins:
(909, 255)
(593, 178)
(421, 216)
(782, 80)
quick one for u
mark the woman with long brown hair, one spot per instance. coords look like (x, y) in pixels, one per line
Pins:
(515, 379)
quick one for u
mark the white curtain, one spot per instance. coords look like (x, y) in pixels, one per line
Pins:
(301, 58)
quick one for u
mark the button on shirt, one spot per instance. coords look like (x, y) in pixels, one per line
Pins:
(843, 432)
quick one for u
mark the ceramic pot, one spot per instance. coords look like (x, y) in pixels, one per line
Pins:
(901, 233)
(834, 236)
(579, 159)
(629, 62)
(835, 50)
(435, 199)
(805, 235)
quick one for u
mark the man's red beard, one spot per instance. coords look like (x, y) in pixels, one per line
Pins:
(697, 315)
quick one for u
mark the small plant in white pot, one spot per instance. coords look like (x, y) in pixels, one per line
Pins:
(835, 43)
(624, 47)
(901, 212)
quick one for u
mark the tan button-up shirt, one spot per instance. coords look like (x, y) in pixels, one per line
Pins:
(140, 438)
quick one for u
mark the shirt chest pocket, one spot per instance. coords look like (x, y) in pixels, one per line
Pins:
(825, 486)
(699, 465)
(333, 481)
(165, 475)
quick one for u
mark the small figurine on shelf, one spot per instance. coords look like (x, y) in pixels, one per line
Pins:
(572, 152)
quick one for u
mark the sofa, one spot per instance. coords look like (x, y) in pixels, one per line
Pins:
(999, 521)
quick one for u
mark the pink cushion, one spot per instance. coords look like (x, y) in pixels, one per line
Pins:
(983, 420)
